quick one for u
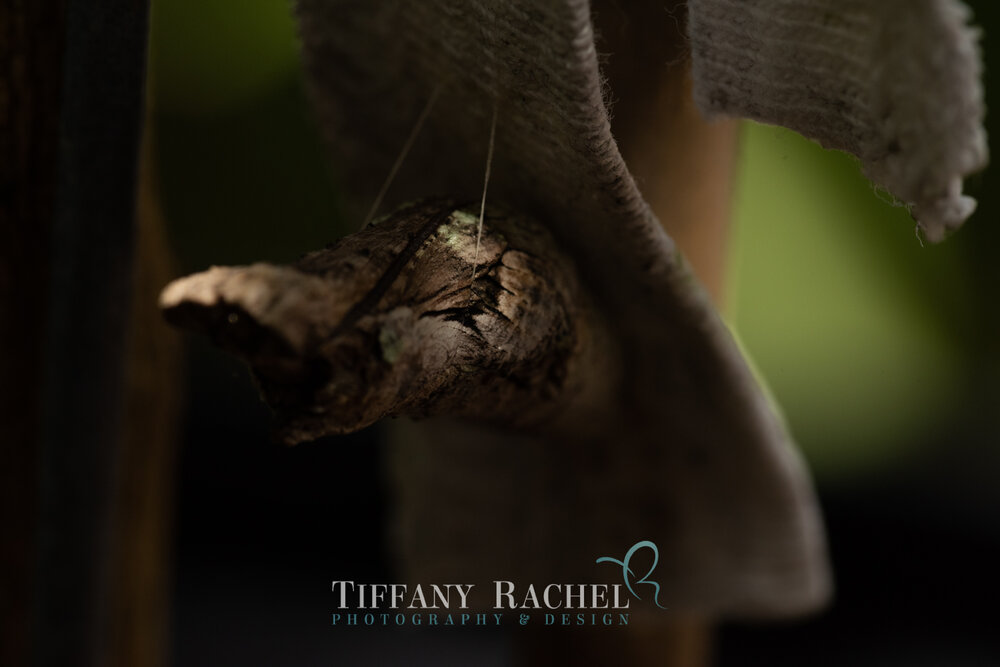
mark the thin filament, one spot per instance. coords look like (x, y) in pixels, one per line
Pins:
(486, 182)
(402, 155)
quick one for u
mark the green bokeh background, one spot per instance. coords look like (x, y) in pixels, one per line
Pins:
(863, 334)
(878, 349)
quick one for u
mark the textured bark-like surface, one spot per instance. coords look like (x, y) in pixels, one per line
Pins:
(390, 322)
(31, 45)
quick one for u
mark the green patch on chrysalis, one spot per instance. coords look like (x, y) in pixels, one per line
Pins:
(459, 228)
(390, 343)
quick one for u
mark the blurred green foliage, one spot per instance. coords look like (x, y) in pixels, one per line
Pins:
(243, 171)
(856, 326)
(209, 56)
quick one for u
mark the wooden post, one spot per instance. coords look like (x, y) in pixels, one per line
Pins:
(684, 167)
(31, 47)
(71, 95)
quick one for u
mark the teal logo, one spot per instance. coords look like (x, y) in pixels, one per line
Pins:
(629, 575)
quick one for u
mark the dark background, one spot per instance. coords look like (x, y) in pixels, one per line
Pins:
(884, 354)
